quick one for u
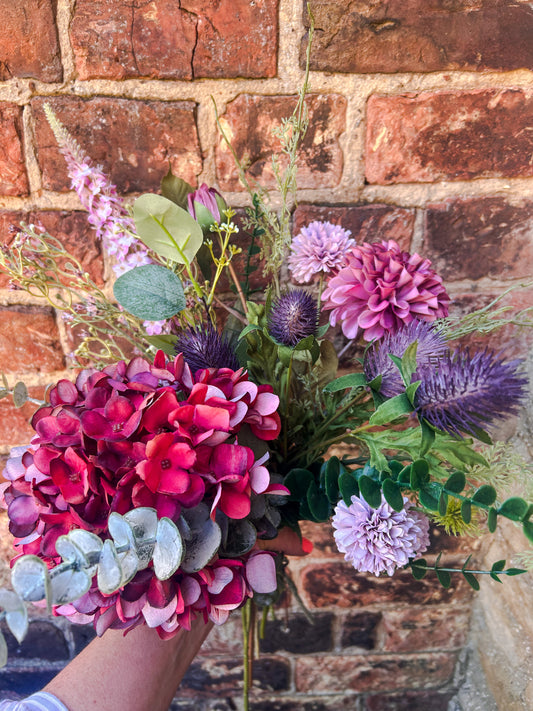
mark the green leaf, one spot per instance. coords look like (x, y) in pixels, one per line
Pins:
(348, 487)
(498, 566)
(318, 503)
(321, 330)
(410, 391)
(419, 568)
(164, 342)
(305, 344)
(205, 262)
(455, 483)
(428, 437)
(391, 409)
(20, 394)
(150, 292)
(486, 494)
(528, 530)
(408, 363)
(515, 571)
(430, 495)
(444, 577)
(352, 380)
(370, 491)
(514, 508)
(167, 229)
(332, 471)
(393, 494)
(297, 482)
(459, 452)
(176, 189)
(443, 503)
(419, 474)
(492, 520)
(471, 580)
(466, 511)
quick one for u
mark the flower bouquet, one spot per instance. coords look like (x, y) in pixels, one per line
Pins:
(202, 422)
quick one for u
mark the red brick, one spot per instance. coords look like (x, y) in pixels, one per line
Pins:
(373, 672)
(249, 121)
(223, 676)
(421, 36)
(418, 629)
(338, 585)
(13, 178)
(70, 228)
(449, 136)
(169, 40)
(29, 340)
(367, 223)
(484, 237)
(321, 536)
(135, 141)
(302, 703)
(410, 701)
(15, 425)
(29, 46)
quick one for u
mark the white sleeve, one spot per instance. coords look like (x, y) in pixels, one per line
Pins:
(41, 701)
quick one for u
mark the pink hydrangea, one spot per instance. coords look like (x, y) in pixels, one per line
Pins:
(379, 540)
(381, 288)
(320, 248)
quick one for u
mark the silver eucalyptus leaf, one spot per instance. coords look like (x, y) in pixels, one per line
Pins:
(30, 578)
(3, 651)
(16, 613)
(202, 546)
(168, 550)
(68, 585)
(69, 551)
(90, 544)
(109, 575)
(143, 522)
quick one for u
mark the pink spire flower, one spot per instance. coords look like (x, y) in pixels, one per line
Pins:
(381, 288)
(379, 540)
(320, 248)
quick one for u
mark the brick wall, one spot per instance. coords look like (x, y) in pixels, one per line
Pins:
(421, 131)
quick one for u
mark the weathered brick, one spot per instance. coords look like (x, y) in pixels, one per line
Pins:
(135, 141)
(417, 629)
(410, 701)
(70, 228)
(42, 641)
(15, 425)
(217, 677)
(367, 223)
(29, 46)
(29, 340)
(298, 635)
(485, 237)
(435, 136)
(13, 178)
(429, 36)
(373, 672)
(361, 630)
(224, 639)
(337, 585)
(249, 121)
(322, 537)
(306, 703)
(169, 40)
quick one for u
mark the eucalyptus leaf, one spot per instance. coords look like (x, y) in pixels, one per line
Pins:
(466, 511)
(419, 568)
(318, 503)
(370, 491)
(143, 522)
(20, 394)
(68, 585)
(527, 527)
(471, 580)
(393, 494)
(444, 577)
(456, 482)
(109, 576)
(3, 650)
(514, 508)
(430, 495)
(202, 546)
(16, 613)
(91, 546)
(492, 520)
(150, 292)
(486, 495)
(30, 578)
(69, 551)
(168, 551)
(167, 229)
(348, 487)
(443, 503)
(297, 482)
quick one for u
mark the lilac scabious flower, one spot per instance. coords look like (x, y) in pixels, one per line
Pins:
(465, 393)
(204, 347)
(292, 317)
(379, 540)
(431, 347)
(381, 288)
(98, 195)
(319, 248)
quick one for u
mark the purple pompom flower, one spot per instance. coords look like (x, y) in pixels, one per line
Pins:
(204, 347)
(292, 317)
(430, 349)
(465, 393)
(379, 540)
(320, 248)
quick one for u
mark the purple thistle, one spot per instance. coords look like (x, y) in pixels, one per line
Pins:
(320, 248)
(431, 347)
(204, 347)
(465, 393)
(292, 317)
(379, 540)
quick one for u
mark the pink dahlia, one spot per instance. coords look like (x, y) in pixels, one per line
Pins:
(379, 540)
(320, 248)
(381, 288)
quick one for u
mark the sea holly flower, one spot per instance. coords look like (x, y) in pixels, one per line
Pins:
(207, 206)
(293, 316)
(379, 540)
(431, 347)
(204, 347)
(319, 249)
(381, 288)
(467, 392)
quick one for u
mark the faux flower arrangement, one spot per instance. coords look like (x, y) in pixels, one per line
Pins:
(200, 426)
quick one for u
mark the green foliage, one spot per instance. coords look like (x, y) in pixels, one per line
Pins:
(176, 189)
(150, 292)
